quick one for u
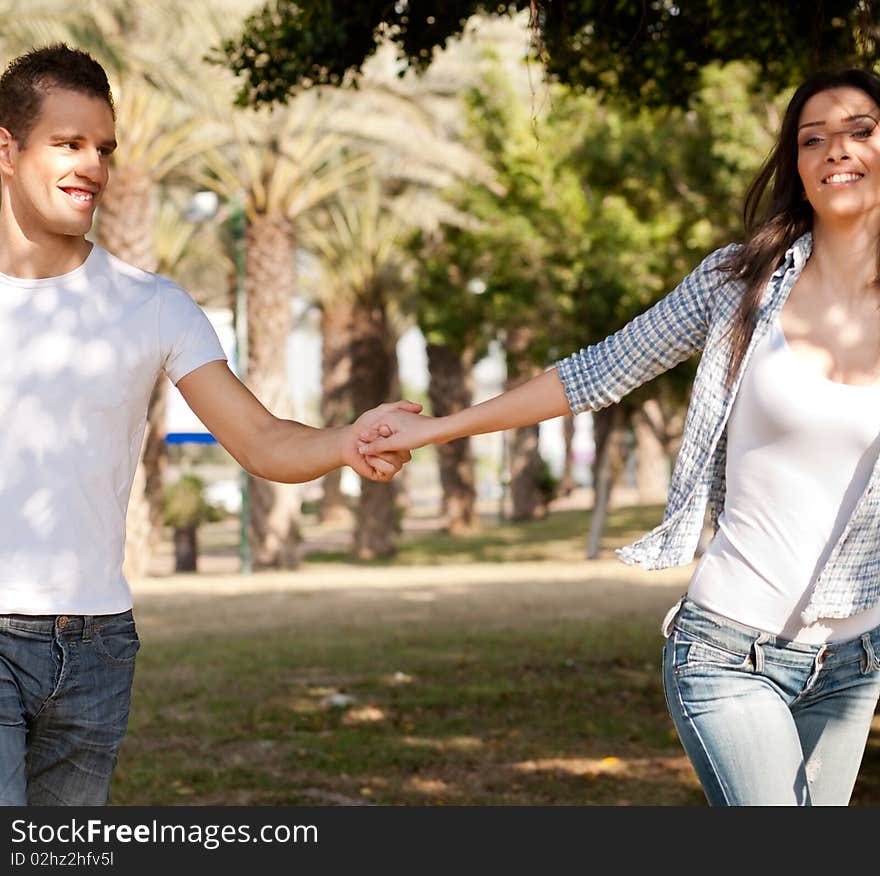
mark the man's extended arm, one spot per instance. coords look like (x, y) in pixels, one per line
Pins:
(277, 449)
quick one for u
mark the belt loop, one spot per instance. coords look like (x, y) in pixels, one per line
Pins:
(88, 622)
(870, 662)
(666, 626)
(758, 651)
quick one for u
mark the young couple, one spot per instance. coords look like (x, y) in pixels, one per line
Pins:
(771, 664)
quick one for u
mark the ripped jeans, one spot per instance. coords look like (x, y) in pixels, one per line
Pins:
(766, 721)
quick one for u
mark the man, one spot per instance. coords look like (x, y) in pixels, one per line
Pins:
(84, 338)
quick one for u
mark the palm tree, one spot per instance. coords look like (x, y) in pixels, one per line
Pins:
(415, 127)
(23, 26)
(283, 164)
(337, 408)
(410, 126)
(365, 273)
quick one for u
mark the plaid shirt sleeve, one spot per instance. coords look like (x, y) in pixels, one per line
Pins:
(673, 330)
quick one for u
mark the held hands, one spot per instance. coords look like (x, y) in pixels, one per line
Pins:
(400, 429)
(377, 464)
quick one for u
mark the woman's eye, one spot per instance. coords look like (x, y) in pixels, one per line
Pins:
(862, 133)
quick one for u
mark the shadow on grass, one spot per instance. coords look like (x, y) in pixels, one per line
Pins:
(572, 714)
(568, 714)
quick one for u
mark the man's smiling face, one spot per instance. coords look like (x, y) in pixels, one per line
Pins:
(58, 175)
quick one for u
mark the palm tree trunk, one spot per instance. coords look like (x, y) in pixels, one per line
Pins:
(155, 458)
(127, 218)
(137, 527)
(528, 499)
(125, 227)
(186, 549)
(450, 390)
(373, 376)
(336, 406)
(269, 279)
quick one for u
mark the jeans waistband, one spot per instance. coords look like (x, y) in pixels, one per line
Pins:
(63, 624)
(730, 634)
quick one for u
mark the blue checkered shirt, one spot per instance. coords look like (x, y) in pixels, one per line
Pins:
(696, 316)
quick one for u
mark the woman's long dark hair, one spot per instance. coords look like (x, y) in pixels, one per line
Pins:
(772, 225)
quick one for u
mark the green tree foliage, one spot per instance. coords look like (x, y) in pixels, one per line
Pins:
(651, 51)
(601, 209)
(448, 286)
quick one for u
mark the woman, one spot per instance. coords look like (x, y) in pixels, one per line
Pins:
(771, 664)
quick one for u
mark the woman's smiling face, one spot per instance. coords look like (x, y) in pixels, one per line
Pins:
(839, 154)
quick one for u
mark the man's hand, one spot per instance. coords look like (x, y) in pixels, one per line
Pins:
(277, 449)
(374, 464)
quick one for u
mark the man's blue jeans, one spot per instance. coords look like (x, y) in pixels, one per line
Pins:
(65, 690)
(767, 721)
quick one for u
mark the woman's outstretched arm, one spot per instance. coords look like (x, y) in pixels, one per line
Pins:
(671, 331)
(538, 399)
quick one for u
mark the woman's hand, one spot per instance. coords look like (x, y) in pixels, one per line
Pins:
(374, 463)
(399, 430)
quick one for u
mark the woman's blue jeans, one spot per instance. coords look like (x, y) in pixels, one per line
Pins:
(65, 690)
(767, 721)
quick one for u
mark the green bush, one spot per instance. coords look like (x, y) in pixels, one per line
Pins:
(185, 506)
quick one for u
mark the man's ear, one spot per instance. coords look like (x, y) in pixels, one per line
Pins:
(8, 150)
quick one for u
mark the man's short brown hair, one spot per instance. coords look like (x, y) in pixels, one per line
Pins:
(28, 77)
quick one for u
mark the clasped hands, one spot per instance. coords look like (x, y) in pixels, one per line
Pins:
(384, 437)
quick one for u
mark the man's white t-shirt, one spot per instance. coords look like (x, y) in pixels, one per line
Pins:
(79, 355)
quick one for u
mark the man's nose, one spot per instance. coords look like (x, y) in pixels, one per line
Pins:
(92, 165)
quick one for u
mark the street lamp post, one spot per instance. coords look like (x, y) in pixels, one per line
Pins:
(237, 225)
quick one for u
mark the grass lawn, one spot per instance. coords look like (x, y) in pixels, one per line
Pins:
(503, 678)
(562, 535)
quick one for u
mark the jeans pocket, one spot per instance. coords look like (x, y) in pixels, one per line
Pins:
(117, 644)
(694, 655)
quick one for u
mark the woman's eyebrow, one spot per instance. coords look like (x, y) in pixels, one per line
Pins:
(847, 119)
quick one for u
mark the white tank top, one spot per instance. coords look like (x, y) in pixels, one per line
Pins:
(800, 451)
